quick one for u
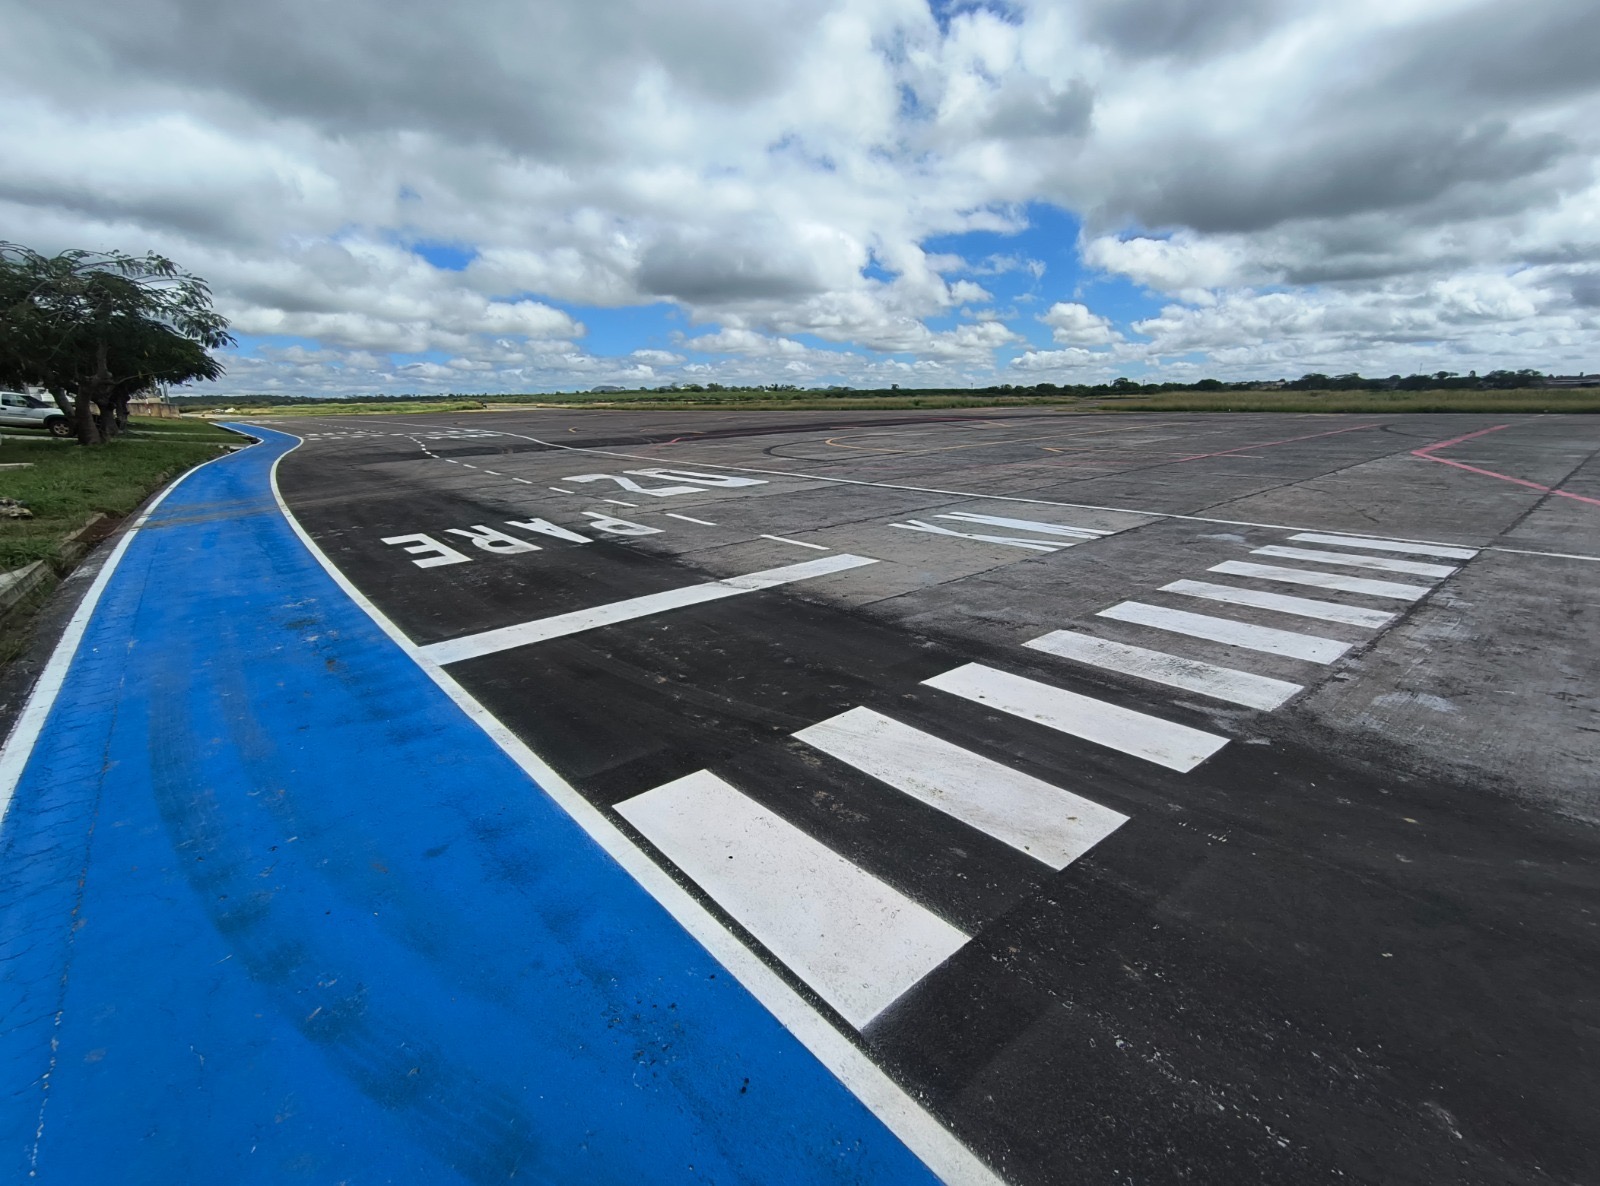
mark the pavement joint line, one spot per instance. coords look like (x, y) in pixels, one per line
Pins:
(908, 1120)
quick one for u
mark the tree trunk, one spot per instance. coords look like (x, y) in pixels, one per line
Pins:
(90, 396)
(83, 419)
(59, 394)
(106, 418)
(121, 406)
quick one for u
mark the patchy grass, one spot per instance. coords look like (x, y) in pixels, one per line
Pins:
(1525, 400)
(66, 484)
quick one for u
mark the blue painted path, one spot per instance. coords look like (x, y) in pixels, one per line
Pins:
(273, 910)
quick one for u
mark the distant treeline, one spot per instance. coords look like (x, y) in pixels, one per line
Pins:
(1437, 381)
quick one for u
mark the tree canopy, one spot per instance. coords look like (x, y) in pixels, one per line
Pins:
(100, 327)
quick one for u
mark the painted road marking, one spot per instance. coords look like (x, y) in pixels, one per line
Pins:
(1206, 679)
(559, 490)
(489, 642)
(1031, 545)
(799, 543)
(1353, 560)
(687, 518)
(1321, 580)
(1165, 743)
(1027, 525)
(1385, 545)
(857, 941)
(1267, 639)
(617, 502)
(1305, 607)
(909, 1120)
(1046, 822)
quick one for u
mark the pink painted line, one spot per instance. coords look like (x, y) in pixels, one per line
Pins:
(1268, 444)
(1427, 454)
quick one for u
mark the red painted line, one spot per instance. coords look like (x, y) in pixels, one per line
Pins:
(1269, 444)
(1427, 451)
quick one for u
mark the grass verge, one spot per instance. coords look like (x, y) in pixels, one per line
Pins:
(64, 484)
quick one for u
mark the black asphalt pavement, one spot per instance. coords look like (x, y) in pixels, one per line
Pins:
(1358, 942)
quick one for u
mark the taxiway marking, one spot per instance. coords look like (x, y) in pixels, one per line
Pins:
(1304, 607)
(1266, 639)
(1384, 545)
(1191, 675)
(1177, 747)
(1356, 560)
(1048, 823)
(488, 642)
(1321, 580)
(859, 942)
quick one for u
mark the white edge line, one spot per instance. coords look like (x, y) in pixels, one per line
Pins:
(929, 1140)
(30, 721)
(687, 519)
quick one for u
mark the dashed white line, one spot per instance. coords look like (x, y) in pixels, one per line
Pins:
(687, 518)
(1165, 743)
(1048, 823)
(524, 481)
(799, 543)
(617, 502)
(1304, 607)
(1321, 580)
(1206, 679)
(859, 942)
(541, 629)
(559, 490)
(1266, 639)
(1355, 560)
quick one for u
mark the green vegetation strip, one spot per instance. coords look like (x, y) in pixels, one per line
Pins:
(64, 484)
(1525, 400)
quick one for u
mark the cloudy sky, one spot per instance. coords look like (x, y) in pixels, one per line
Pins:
(524, 195)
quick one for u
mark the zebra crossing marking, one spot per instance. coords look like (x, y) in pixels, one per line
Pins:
(1047, 822)
(1336, 581)
(1207, 679)
(1267, 639)
(1165, 743)
(1304, 607)
(1386, 545)
(1355, 560)
(857, 941)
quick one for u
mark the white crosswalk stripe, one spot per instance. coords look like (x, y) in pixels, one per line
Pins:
(1165, 743)
(1048, 823)
(1304, 607)
(1267, 639)
(1387, 545)
(1206, 679)
(1337, 581)
(1354, 560)
(856, 940)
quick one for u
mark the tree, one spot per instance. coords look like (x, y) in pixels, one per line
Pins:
(101, 327)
